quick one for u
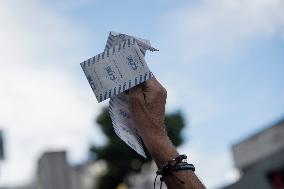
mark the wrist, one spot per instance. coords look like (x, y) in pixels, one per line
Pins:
(160, 148)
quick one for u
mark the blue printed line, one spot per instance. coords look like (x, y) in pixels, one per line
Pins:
(105, 97)
(119, 88)
(124, 85)
(119, 47)
(108, 53)
(113, 50)
(121, 36)
(124, 44)
(109, 43)
(83, 65)
(109, 93)
(145, 76)
(143, 51)
(128, 42)
(110, 105)
(110, 111)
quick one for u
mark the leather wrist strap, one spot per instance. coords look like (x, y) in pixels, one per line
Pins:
(176, 164)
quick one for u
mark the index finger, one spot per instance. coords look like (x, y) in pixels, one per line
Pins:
(151, 84)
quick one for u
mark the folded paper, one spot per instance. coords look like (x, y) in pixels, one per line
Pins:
(112, 72)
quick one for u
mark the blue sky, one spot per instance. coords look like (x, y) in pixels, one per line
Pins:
(221, 62)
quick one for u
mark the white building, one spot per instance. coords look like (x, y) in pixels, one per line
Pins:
(54, 172)
(260, 159)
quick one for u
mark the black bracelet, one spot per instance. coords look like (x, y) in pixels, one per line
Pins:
(166, 169)
(176, 164)
(184, 166)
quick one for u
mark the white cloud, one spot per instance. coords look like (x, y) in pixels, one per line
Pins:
(200, 107)
(42, 109)
(221, 27)
(198, 32)
(39, 34)
(43, 105)
(70, 5)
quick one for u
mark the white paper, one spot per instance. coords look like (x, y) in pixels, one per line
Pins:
(122, 123)
(120, 67)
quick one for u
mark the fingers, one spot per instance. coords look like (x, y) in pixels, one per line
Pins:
(152, 88)
(151, 83)
(136, 93)
(149, 92)
(136, 97)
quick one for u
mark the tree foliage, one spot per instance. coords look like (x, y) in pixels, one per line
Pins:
(122, 160)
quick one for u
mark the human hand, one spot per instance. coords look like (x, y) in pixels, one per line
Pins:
(147, 107)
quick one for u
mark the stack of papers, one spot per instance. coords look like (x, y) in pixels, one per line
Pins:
(111, 73)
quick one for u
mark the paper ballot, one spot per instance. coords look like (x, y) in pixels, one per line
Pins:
(120, 67)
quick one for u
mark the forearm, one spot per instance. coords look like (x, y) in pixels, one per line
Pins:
(162, 150)
(183, 180)
(147, 107)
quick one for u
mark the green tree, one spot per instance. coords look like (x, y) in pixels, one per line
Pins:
(122, 160)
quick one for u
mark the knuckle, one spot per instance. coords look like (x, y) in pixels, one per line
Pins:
(162, 92)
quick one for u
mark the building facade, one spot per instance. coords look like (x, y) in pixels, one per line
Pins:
(54, 172)
(260, 159)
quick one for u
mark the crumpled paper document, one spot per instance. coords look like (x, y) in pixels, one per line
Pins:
(114, 71)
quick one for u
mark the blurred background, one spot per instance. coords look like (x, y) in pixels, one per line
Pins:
(222, 63)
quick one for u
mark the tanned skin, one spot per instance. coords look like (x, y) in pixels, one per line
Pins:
(147, 107)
